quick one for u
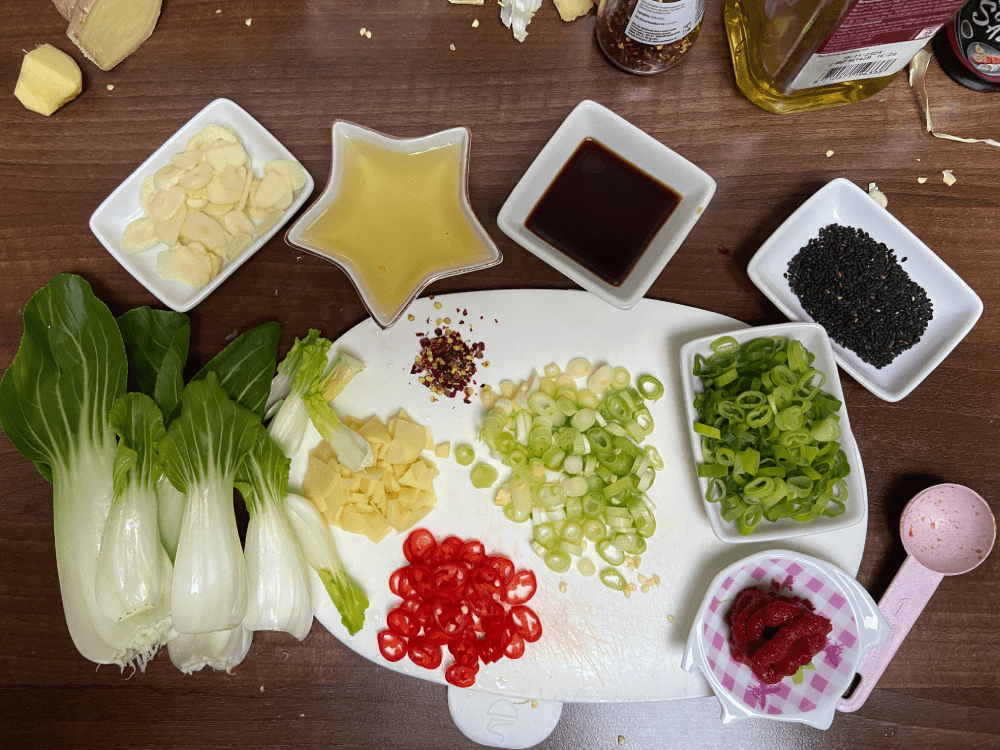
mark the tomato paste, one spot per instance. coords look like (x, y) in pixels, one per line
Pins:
(775, 635)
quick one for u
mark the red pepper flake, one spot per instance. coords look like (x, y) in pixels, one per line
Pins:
(449, 363)
(775, 635)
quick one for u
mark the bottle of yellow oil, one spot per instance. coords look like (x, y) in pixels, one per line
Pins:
(795, 55)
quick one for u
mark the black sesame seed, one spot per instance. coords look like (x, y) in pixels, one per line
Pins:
(878, 313)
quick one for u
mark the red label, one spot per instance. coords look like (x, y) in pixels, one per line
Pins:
(872, 23)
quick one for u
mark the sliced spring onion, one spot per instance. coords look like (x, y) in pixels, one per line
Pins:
(483, 476)
(613, 579)
(768, 434)
(465, 454)
(558, 560)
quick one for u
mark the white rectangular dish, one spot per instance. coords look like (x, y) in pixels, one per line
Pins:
(122, 206)
(956, 305)
(590, 120)
(814, 339)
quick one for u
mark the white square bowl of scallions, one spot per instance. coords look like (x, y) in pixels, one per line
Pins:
(761, 469)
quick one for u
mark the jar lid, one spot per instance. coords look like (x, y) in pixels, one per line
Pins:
(965, 50)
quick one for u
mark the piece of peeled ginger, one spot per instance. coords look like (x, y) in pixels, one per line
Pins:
(49, 78)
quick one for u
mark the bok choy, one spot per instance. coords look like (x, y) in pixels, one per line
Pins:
(280, 596)
(321, 553)
(222, 649)
(201, 451)
(133, 571)
(55, 400)
(307, 384)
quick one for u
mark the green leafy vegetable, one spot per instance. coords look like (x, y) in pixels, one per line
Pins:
(131, 566)
(245, 366)
(768, 433)
(156, 343)
(202, 451)
(55, 400)
(321, 554)
(279, 585)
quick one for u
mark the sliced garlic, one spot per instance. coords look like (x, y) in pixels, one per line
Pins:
(186, 160)
(166, 177)
(197, 177)
(290, 169)
(217, 210)
(166, 203)
(146, 192)
(230, 153)
(240, 243)
(204, 229)
(168, 231)
(236, 222)
(212, 132)
(139, 235)
(269, 222)
(271, 191)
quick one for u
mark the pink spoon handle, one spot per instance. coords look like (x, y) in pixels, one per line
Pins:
(902, 604)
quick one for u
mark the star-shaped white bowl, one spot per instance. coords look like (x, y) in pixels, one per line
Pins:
(413, 269)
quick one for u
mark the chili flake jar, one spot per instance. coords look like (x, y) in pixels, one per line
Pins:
(647, 36)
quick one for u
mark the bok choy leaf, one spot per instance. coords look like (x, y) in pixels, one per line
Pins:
(245, 366)
(305, 362)
(320, 552)
(156, 344)
(280, 596)
(55, 400)
(201, 451)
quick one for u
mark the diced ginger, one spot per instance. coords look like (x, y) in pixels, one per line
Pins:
(319, 479)
(407, 443)
(570, 10)
(374, 431)
(443, 450)
(323, 452)
(49, 78)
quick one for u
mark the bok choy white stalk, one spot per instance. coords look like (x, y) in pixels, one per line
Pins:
(132, 566)
(280, 596)
(321, 553)
(55, 399)
(311, 385)
(201, 451)
(223, 649)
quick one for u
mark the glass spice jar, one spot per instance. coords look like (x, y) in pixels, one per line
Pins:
(647, 36)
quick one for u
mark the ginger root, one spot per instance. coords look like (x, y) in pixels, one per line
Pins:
(49, 78)
(108, 31)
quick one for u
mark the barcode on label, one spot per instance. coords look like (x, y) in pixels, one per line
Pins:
(861, 70)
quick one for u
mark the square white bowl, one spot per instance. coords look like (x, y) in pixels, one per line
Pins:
(591, 120)
(122, 206)
(813, 338)
(956, 305)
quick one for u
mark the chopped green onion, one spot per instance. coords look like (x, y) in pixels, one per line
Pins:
(613, 579)
(483, 476)
(465, 454)
(558, 561)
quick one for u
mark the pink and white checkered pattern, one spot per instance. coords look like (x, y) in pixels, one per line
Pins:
(835, 664)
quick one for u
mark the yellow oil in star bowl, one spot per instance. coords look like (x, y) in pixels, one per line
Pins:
(397, 222)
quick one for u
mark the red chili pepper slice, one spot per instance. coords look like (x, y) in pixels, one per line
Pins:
(418, 544)
(401, 622)
(423, 653)
(447, 552)
(521, 587)
(451, 619)
(391, 646)
(514, 649)
(422, 581)
(464, 650)
(400, 584)
(526, 623)
(489, 583)
(461, 675)
(435, 636)
(502, 565)
(472, 553)
(451, 577)
(483, 603)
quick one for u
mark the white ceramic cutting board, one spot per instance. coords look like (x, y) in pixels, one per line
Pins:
(597, 645)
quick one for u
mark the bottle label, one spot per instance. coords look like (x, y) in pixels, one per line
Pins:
(976, 37)
(875, 38)
(657, 23)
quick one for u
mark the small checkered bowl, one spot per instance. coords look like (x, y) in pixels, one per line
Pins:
(811, 695)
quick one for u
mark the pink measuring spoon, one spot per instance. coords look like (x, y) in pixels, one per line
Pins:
(947, 530)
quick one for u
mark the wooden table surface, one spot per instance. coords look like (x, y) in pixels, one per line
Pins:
(303, 63)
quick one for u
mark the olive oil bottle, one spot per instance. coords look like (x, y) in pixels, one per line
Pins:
(795, 55)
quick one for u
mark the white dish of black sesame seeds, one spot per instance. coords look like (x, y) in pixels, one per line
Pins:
(891, 344)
